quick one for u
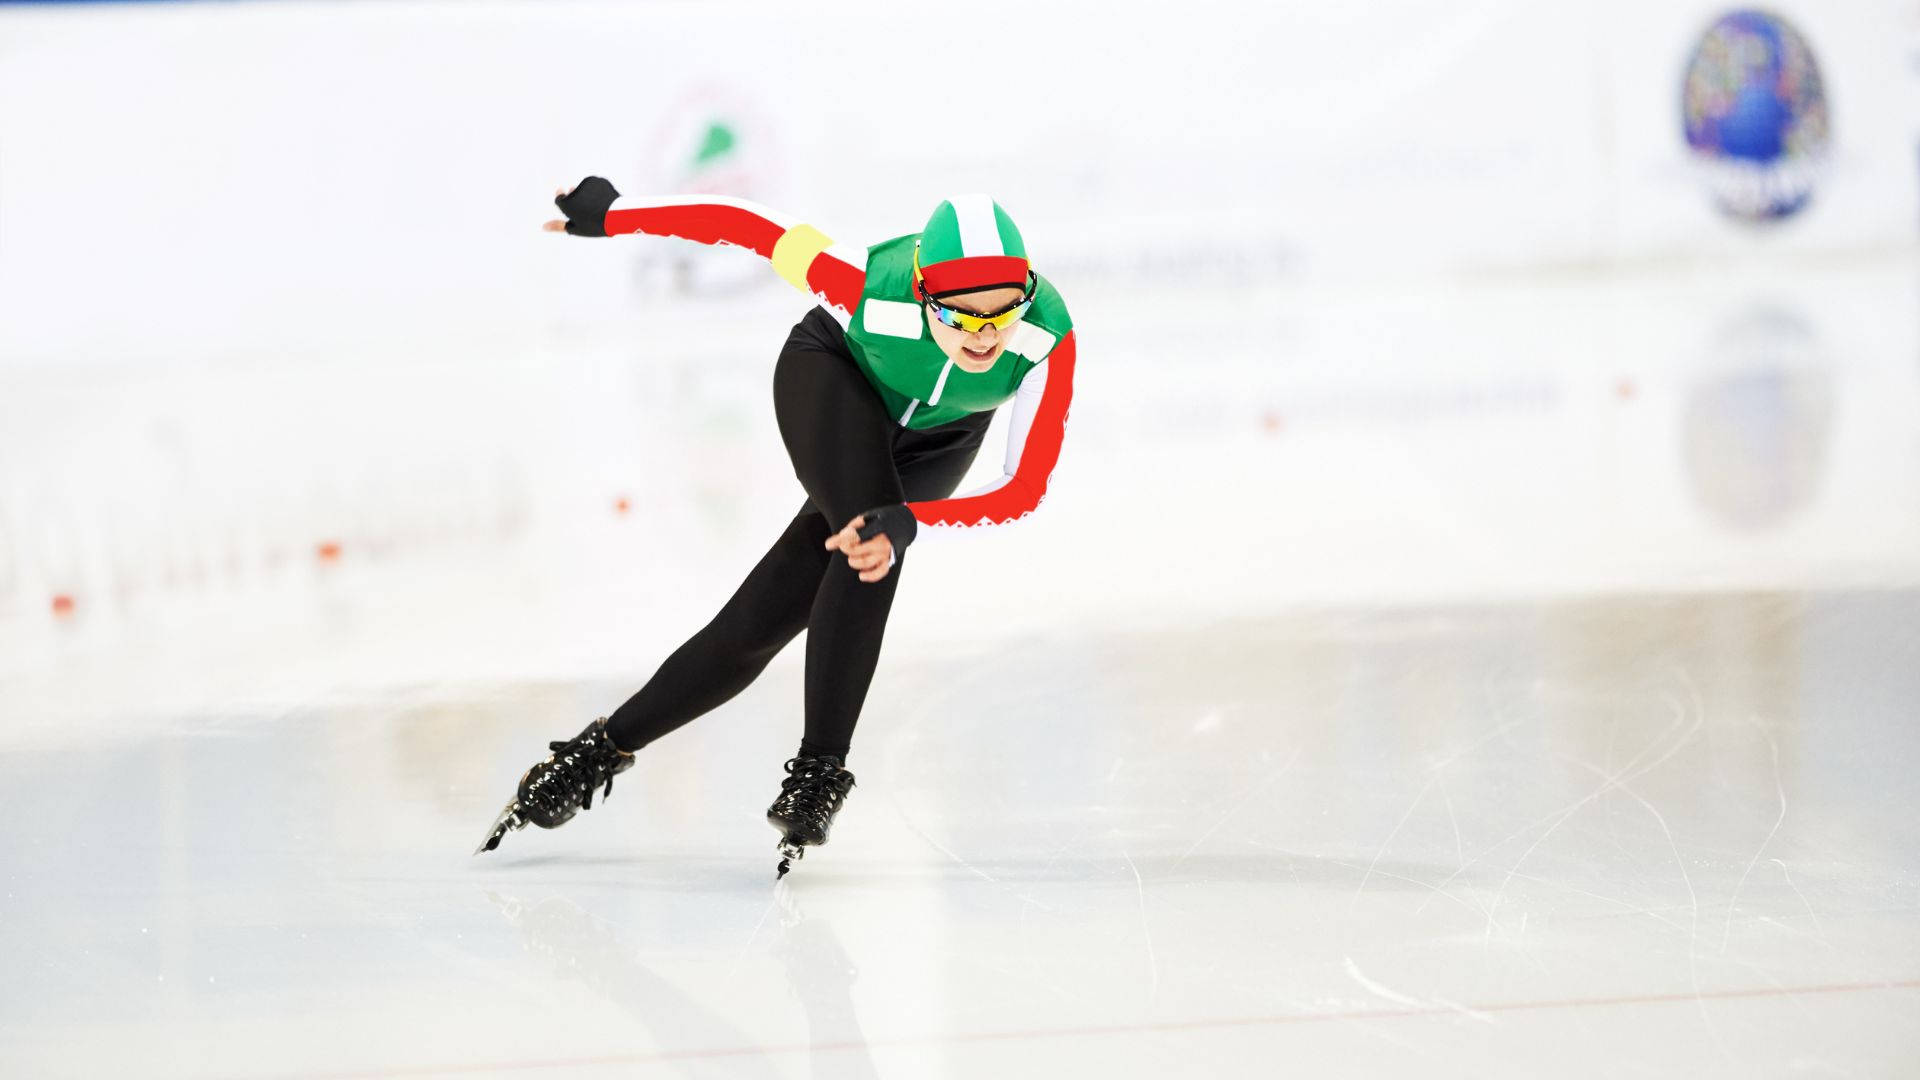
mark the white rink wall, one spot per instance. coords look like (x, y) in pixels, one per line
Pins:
(1416, 302)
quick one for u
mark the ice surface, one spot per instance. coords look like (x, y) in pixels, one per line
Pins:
(1516, 679)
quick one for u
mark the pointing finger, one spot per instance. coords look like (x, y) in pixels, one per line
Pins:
(846, 538)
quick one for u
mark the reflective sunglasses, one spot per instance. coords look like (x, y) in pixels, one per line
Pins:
(967, 320)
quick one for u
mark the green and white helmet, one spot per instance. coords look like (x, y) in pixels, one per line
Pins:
(970, 244)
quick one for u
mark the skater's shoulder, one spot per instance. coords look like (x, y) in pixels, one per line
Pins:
(1049, 309)
(1047, 295)
(890, 267)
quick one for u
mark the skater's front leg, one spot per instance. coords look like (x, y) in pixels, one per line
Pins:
(810, 797)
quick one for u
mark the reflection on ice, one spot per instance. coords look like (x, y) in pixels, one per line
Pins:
(1759, 421)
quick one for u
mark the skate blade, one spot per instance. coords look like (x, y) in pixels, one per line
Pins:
(790, 853)
(508, 821)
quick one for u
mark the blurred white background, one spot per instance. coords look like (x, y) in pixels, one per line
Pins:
(1415, 300)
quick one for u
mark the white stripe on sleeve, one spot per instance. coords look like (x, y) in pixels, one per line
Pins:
(1026, 404)
(658, 202)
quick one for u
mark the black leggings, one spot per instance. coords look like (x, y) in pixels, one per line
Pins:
(850, 457)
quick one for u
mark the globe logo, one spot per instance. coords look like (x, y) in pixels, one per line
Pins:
(1755, 115)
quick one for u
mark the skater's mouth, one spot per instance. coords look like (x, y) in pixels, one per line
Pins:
(980, 354)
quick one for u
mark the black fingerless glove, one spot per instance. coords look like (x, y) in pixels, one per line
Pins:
(893, 519)
(586, 206)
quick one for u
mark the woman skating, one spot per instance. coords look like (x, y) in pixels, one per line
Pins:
(883, 394)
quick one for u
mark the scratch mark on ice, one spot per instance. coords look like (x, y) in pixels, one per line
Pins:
(1409, 1000)
(1382, 849)
(1627, 772)
(1817, 928)
(1459, 849)
(1726, 932)
(1146, 931)
(1263, 783)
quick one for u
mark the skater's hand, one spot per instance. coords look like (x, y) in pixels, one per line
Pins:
(872, 558)
(585, 205)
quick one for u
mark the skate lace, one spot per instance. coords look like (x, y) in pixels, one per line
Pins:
(577, 767)
(813, 788)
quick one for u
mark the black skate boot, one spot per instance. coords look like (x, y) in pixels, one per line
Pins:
(810, 796)
(554, 790)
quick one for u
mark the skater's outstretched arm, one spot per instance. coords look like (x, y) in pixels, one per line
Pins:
(1037, 427)
(807, 258)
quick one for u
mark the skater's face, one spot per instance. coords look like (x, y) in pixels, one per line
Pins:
(975, 352)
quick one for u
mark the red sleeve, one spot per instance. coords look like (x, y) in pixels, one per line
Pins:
(836, 282)
(835, 276)
(1020, 495)
(701, 222)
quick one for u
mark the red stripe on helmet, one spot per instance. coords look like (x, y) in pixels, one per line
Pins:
(975, 272)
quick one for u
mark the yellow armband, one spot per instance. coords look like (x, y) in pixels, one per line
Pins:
(794, 252)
